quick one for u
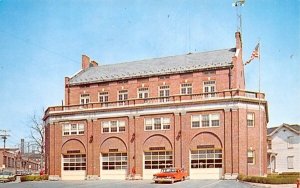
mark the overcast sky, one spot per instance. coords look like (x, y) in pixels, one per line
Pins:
(42, 42)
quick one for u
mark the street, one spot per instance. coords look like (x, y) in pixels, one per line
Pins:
(128, 184)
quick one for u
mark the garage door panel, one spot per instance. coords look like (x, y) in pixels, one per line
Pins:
(206, 173)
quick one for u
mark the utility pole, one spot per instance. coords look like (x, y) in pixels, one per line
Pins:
(4, 136)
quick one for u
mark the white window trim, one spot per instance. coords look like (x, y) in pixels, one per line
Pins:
(99, 95)
(70, 129)
(210, 120)
(109, 126)
(253, 152)
(162, 124)
(292, 162)
(290, 140)
(143, 92)
(85, 98)
(186, 89)
(253, 115)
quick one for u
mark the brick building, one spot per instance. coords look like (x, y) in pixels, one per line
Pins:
(132, 119)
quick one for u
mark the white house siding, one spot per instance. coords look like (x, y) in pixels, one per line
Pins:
(280, 146)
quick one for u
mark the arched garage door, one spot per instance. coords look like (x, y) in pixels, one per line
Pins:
(73, 161)
(113, 159)
(206, 157)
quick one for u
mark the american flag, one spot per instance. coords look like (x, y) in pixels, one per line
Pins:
(255, 54)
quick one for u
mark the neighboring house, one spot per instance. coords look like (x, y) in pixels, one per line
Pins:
(284, 148)
(132, 119)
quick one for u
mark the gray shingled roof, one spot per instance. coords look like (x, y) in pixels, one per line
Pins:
(295, 127)
(154, 67)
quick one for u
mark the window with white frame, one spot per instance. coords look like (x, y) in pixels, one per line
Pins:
(113, 126)
(158, 159)
(73, 129)
(122, 97)
(186, 88)
(143, 93)
(209, 87)
(250, 119)
(290, 141)
(207, 120)
(84, 98)
(103, 97)
(206, 158)
(114, 161)
(290, 162)
(157, 124)
(164, 93)
(251, 157)
(74, 162)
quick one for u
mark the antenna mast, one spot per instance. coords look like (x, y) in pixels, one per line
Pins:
(238, 4)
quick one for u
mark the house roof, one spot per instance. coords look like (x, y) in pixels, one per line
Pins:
(155, 67)
(294, 127)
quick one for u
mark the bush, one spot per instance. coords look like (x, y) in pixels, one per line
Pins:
(34, 178)
(270, 179)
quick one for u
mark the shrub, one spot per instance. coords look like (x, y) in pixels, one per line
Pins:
(270, 179)
(34, 178)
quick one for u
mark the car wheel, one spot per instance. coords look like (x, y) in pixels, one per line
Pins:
(183, 178)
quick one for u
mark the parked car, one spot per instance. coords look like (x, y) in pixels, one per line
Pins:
(170, 175)
(7, 176)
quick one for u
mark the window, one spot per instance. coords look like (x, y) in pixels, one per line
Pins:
(113, 126)
(186, 89)
(158, 159)
(73, 129)
(250, 119)
(84, 98)
(209, 87)
(207, 120)
(250, 157)
(123, 96)
(143, 93)
(290, 162)
(74, 162)
(206, 158)
(157, 124)
(114, 161)
(164, 93)
(103, 98)
(290, 142)
(269, 144)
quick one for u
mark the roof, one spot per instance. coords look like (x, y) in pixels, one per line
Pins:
(294, 127)
(156, 66)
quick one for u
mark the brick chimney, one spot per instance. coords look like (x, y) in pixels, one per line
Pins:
(93, 64)
(85, 62)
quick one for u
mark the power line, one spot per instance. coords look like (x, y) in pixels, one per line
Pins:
(4, 136)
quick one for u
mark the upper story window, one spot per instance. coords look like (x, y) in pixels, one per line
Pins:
(103, 97)
(186, 89)
(143, 93)
(113, 126)
(269, 142)
(207, 120)
(164, 92)
(251, 157)
(209, 87)
(157, 124)
(250, 119)
(73, 129)
(122, 97)
(290, 162)
(290, 141)
(84, 98)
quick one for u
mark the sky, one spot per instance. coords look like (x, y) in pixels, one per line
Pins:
(41, 42)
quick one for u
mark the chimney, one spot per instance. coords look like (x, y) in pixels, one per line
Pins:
(94, 64)
(85, 62)
(22, 146)
(238, 39)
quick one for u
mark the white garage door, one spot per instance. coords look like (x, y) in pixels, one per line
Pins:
(113, 166)
(73, 167)
(206, 164)
(156, 160)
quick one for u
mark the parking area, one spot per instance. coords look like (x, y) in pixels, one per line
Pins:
(128, 184)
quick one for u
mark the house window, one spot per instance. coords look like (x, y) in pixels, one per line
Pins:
(157, 124)
(250, 157)
(209, 87)
(250, 119)
(290, 141)
(123, 96)
(103, 98)
(73, 129)
(113, 126)
(74, 162)
(143, 93)
(208, 120)
(84, 98)
(269, 144)
(290, 162)
(164, 93)
(186, 89)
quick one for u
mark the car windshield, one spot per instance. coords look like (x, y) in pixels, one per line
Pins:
(168, 170)
(5, 173)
